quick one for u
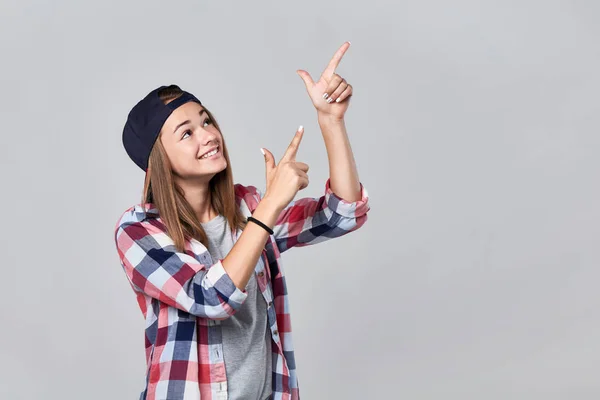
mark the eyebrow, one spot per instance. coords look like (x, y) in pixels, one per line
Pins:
(187, 121)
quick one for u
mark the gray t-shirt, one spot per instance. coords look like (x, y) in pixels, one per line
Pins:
(246, 334)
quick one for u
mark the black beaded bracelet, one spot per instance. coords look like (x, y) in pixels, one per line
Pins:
(261, 224)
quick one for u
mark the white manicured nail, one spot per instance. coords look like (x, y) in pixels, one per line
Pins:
(301, 128)
(262, 151)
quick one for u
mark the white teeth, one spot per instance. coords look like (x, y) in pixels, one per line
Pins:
(212, 153)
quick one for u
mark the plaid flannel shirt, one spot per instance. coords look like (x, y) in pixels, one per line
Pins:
(184, 296)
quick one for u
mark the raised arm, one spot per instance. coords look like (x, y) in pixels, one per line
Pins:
(330, 96)
(343, 208)
(155, 268)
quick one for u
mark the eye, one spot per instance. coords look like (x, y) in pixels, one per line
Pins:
(207, 120)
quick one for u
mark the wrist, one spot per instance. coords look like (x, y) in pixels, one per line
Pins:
(328, 119)
(260, 223)
(267, 211)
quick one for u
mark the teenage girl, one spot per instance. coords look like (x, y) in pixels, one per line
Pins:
(202, 254)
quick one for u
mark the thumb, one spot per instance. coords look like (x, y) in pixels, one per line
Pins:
(306, 78)
(269, 159)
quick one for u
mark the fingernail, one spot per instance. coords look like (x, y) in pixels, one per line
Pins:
(329, 100)
(325, 95)
(337, 100)
(262, 151)
(301, 128)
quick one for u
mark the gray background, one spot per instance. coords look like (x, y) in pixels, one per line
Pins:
(474, 126)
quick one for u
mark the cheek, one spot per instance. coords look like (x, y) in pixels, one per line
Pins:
(215, 131)
(221, 139)
(185, 155)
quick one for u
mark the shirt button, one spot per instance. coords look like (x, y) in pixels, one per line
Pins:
(275, 332)
(261, 274)
(270, 303)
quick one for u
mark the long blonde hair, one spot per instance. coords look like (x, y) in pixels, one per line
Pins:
(174, 210)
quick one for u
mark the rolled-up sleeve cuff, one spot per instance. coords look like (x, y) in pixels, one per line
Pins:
(346, 208)
(217, 276)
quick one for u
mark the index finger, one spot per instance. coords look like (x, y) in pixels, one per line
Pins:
(335, 60)
(290, 153)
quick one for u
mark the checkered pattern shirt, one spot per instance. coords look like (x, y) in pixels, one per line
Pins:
(183, 296)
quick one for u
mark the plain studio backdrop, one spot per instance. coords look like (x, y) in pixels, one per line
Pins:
(474, 125)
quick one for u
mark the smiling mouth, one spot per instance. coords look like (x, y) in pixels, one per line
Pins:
(211, 154)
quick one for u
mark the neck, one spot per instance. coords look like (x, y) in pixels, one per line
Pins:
(200, 200)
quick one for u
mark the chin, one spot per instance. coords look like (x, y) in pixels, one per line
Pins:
(217, 167)
(223, 168)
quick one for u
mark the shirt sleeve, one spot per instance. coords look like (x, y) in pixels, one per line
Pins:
(308, 220)
(155, 268)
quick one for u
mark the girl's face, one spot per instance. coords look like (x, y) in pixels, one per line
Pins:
(187, 135)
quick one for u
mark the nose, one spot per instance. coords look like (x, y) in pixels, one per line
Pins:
(207, 137)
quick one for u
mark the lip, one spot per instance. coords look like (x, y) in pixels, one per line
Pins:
(208, 151)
